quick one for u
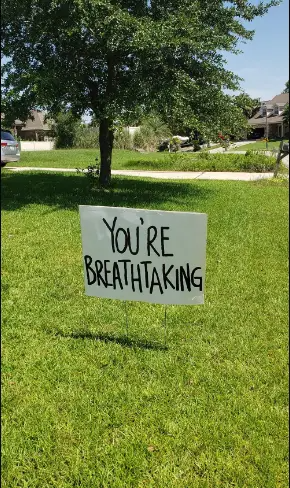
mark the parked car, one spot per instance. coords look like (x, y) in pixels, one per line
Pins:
(10, 149)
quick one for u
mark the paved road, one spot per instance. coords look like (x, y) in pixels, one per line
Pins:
(164, 175)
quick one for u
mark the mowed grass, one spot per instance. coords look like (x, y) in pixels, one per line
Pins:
(158, 161)
(81, 158)
(85, 406)
(259, 146)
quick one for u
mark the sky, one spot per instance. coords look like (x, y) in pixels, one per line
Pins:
(264, 63)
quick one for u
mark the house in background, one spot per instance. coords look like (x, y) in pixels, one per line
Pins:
(34, 130)
(269, 119)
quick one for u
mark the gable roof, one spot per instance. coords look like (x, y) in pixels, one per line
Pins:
(36, 124)
(282, 98)
(259, 119)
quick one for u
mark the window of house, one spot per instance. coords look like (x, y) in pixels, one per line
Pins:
(276, 110)
(264, 110)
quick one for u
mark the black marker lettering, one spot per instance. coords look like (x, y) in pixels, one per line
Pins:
(177, 279)
(155, 283)
(198, 278)
(139, 280)
(107, 271)
(116, 276)
(185, 276)
(150, 240)
(145, 263)
(165, 276)
(164, 238)
(88, 262)
(111, 229)
(121, 251)
(125, 261)
(99, 267)
(137, 241)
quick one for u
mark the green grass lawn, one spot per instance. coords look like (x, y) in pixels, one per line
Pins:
(85, 406)
(259, 146)
(132, 160)
(81, 158)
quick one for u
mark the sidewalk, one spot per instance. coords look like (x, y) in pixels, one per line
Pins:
(164, 175)
(236, 144)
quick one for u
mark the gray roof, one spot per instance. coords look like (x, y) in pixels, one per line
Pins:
(282, 98)
(259, 120)
(36, 124)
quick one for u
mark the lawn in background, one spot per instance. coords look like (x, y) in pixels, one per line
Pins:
(259, 146)
(85, 406)
(158, 161)
(81, 158)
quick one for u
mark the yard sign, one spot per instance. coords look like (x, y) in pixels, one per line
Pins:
(144, 255)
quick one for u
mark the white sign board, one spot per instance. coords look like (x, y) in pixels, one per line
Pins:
(144, 255)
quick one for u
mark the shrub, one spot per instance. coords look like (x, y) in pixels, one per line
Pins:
(235, 162)
(86, 137)
(153, 131)
(174, 144)
(65, 130)
(123, 140)
(205, 162)
(91, 172)
(196, 145)
(145, 139)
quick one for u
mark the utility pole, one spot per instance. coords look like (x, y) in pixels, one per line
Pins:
(264, 106)
(266, 128)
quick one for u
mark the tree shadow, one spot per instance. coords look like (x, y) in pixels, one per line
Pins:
(122, 340)
(68, 190)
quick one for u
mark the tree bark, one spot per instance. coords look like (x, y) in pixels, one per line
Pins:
(106, 139)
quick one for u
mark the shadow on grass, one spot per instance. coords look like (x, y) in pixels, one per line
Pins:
(122, 340)
(67, 191)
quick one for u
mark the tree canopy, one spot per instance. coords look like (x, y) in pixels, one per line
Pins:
(286, 114)
(249, 105)
(286, 90)
(121, 58)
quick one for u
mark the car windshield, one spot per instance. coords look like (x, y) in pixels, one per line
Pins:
(6, 136)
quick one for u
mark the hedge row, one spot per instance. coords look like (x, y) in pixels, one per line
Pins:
(206, 162)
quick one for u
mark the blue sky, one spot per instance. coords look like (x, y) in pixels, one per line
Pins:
(264, 63)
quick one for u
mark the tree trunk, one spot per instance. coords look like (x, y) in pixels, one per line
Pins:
(106, 139)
